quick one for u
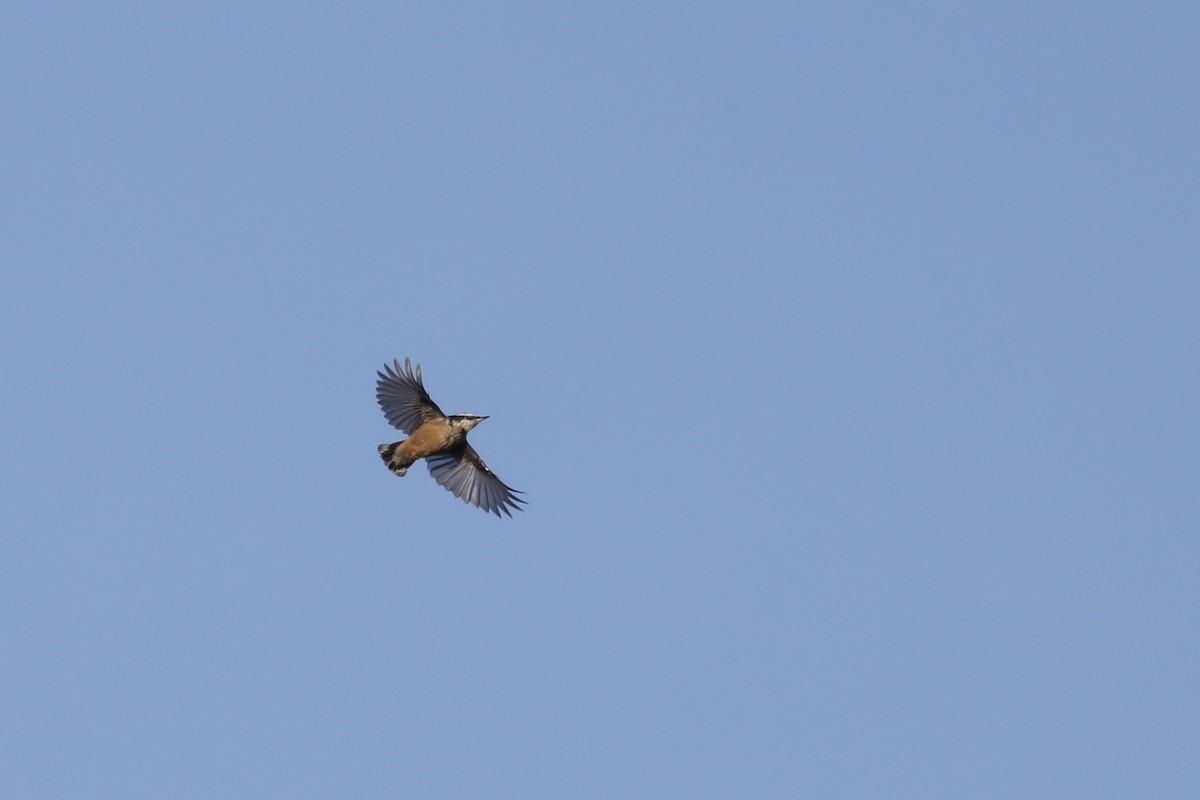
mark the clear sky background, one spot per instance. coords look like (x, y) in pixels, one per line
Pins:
(846, 352)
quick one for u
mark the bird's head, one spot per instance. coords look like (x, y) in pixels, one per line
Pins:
(464, 422)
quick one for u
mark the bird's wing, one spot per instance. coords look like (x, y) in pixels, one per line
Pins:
(465, 474)
(403, 398)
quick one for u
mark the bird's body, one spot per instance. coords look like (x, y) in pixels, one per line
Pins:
(433, 437)
(438, 438)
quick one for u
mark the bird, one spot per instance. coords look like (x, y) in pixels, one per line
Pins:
(438, 438)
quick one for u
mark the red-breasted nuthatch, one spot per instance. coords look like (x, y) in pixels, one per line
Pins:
(438, 438)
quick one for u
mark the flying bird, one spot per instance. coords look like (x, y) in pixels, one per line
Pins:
(438, 438)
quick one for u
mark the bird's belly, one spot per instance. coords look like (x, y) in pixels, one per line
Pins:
(428, 440)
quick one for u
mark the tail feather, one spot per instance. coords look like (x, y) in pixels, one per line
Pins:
(392, 458)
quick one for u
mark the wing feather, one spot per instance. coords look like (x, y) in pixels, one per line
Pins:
(402, 396)
(469, 479)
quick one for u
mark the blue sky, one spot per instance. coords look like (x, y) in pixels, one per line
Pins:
(846, 354)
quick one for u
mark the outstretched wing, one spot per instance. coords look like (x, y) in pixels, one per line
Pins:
(403, 398)
(465, 474)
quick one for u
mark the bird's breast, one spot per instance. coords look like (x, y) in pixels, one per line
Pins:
(430, 439)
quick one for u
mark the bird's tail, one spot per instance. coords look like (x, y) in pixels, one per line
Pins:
(391, 456)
